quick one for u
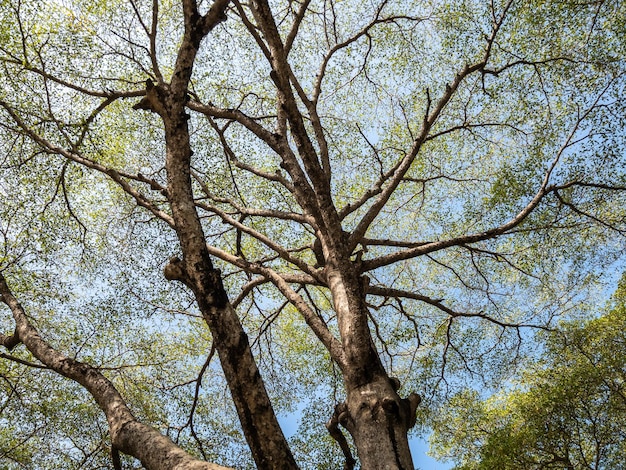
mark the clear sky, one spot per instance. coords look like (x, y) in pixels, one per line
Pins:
(419, 447)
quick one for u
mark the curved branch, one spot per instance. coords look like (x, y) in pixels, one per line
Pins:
(316, 323)
(250, 123)
(196, 396)
(116, 176)
(542, 192)
(107, 94)
(17, 359)
(230, 154)
(397, 174)
(438, 303)
(268, 242)
(317, 89)
(127, 434)
(9, 341)
(574, 208)
(254, 212)
(245, 290)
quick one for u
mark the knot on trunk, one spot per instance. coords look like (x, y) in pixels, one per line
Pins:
(410, 405)
(390, 406)
(10, 341)
(175, 271)
(376, 409)
(154, 99)
(382, 404)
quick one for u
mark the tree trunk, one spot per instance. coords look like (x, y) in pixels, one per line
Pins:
(378, 421)
(374, 414)
(258, 420)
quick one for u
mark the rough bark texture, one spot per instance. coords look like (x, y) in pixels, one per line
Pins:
(376, 417)
(263, 433)
(374, 414)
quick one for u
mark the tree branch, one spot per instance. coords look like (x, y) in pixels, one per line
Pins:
(399, 171)
(127, 434)
(316, 324)
(395, 293)
(544, 189)
(116, 176)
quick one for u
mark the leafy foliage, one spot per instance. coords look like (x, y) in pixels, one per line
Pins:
(568, 409)
(470, 155)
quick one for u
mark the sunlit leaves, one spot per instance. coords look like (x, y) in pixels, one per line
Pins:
(566, 411)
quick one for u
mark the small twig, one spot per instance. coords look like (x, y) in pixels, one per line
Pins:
(22, 361)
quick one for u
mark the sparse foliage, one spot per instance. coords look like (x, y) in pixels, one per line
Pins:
(216, 214)
(568, 411)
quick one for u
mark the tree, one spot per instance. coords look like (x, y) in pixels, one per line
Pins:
(567, 411)
(402, 176)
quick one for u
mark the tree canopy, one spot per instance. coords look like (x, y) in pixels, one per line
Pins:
(218, 214)
(568, 410)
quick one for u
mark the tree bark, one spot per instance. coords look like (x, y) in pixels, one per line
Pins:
(378, 421)
(258, 420)
(376, 417)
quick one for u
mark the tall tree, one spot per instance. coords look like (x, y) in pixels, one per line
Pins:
(418, 181)
(567, 410)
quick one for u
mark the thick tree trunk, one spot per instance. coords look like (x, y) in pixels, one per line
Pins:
(378, 421)
(374, 414)
(256, 414)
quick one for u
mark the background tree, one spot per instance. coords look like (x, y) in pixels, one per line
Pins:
(567, 411)
(384, 195)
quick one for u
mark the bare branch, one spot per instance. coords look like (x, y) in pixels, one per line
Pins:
(281, 282)
(395, 176)
(17, 359)
(587, 215)
(438, 303)
(249, 287)
(268, 242)
(543, 190)
(296, 25)
(194, 404)
(107, 94)
(117, 177)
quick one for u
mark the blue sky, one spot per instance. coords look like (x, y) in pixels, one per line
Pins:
(419, 447)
